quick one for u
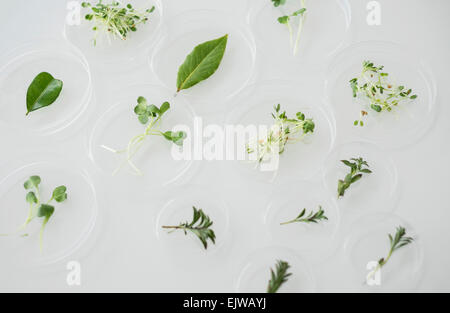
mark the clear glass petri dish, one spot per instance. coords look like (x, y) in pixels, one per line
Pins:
(325, 30)
(375, 192)
(192, 28)
(367, 242)
(68, 229)
(254, 273)
(408, 122)
(19, 67)
(315, 242)
(178, 208)
(253, 108)
(158, 161)
(112, 51)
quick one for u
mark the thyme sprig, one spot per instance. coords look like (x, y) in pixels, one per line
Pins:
(279, 276)
(381, 94)
(396, 242)
(312, 217)
(358, 167)
(200, 226)
(114, 20)
(285, 130)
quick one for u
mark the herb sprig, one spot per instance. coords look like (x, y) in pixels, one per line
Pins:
(312, 217)
(149, 115)
(398, 241)
(114, 20)
(200, 226)
(279, 276)
(288, 21)
(358, 167)
(381, 94)
(285, 130)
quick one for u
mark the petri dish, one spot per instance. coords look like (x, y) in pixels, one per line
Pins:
(107, 50)
(367, 242)
(158, 162)
(254, 273)
(315, 242)
(192, 28)
(302, 160)
(19, 69)
(68, 229)
(404, 125)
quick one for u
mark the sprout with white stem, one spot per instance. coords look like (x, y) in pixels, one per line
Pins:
(286, 20)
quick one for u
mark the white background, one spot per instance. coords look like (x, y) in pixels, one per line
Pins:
(125, 256)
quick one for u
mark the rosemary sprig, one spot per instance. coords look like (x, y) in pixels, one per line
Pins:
(398, 241)
(311, 218)
(357, 168)
(200, 226)
(279, 276)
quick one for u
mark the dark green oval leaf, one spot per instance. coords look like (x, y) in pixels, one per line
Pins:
(201, 63)
(43, 91)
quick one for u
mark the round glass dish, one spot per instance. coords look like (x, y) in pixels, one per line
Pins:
(314, 242)
(324, 30)
(178, 209)
(69, 227)
(17, 71)
(374, 192)
(409, 121)
(80, 33)
(254, 108)
(254, 274)
(192, 28)
(157, 159)
(367, 242)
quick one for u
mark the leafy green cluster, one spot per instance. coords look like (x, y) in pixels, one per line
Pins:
(358, 167)
(279, 276)
(399, 240)
(149, 115)
(39, 209)
(287, 20)
(285, 130)
(312, 217)
(114, 19)
(381, 94)
(199, 226)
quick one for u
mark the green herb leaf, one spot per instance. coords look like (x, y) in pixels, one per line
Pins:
(279, 276)
(31, 198)
(59, 194)
(201, 63)
(314, 218)
(357, 169)
(277, 3)
(43, 91)
(32, 182)
(45, 210)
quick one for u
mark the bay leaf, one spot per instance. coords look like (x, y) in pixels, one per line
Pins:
(43, 91)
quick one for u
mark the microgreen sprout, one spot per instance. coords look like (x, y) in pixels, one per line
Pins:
(199, 226)
(115, 20)
(398, 241)
(285, 130)
(149, 115)
(381, 94)
(287, 20)
(312, 217)
(279, 276)
(38, 209)
(358, 167)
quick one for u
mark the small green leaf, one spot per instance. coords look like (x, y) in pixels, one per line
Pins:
(43, 91)
(59, 194)
(283, 19)
(201, 63)
(31, 198)
(164, 107)
(45, 210)
(143, 118)
(32, 182)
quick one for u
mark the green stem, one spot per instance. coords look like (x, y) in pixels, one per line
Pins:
(41, 234)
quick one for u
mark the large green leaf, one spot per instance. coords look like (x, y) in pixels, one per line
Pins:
(201, 63)
(43, 91)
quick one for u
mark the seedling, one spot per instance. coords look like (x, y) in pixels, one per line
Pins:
(358, 167)
(39, 209)
(279, 276)
(398, 241)
(311, 218)
(381, 94)
(289, 20)
(200, 226)
(149, 115)
(285, 130)
(115, 20)
(43, 91)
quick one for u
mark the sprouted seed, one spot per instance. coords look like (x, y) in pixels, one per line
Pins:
(289, 20)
